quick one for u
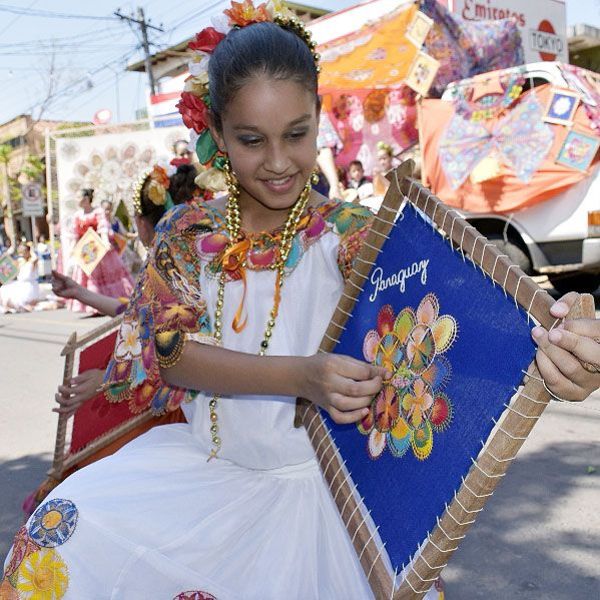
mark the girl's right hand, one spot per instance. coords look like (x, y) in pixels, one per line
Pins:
(64, 286)
(341, 385)
(81, 388)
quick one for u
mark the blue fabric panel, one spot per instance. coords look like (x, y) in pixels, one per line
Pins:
(492, 347)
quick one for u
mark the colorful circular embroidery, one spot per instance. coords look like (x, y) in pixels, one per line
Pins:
(42, 576)
(22, 547)
(194, 595)
(411, 406)
(53, 523)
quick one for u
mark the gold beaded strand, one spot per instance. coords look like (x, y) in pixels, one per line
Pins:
(233, 223)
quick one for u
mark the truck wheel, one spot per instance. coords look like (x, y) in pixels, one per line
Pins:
(514, 253)
(577, 282)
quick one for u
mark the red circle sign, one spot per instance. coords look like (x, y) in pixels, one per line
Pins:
(546, 27)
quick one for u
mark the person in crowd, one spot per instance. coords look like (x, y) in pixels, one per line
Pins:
(226, 322)
(385, 162)
(42, 250)
(22, 294)
(356, 175)
(110, 277)
(149, 208)
(329, 144)
(183, 155)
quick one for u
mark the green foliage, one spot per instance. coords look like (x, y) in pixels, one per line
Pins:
(33, 168)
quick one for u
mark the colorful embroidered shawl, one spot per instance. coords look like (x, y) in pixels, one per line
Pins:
(168, 307)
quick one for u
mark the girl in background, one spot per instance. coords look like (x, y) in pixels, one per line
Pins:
(110, 277)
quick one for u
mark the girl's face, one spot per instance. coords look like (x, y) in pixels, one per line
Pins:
(270, 133)
(145, 230)
(384, 160)
(107, 208)
(84, 202)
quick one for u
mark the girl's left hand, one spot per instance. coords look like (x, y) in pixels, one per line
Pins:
(568, 357)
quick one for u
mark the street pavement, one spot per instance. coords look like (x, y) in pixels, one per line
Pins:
(538, 537)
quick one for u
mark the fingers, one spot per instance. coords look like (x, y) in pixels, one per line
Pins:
(348, 417)
(360, 371)
(563, 305)
(584, 348)
(560, 368)
(586, 327)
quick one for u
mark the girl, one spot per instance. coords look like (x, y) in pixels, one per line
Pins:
(232, 504)
(87, 385)
(110, 277)
(147, 214)
(21, 295)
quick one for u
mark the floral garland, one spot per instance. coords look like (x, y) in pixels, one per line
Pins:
(194, 105)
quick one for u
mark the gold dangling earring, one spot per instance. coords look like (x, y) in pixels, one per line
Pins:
(314, 177)
(230, 178)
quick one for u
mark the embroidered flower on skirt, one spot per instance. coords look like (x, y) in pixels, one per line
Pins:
(42, 575)
(53, 523)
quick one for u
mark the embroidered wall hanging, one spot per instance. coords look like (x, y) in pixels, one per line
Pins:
(89, 251)
(578, 150)
(561, 107)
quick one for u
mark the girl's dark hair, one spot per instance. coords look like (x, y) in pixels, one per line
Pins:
(150, 211)
(88, 193)
(182, 185)
(260, 48)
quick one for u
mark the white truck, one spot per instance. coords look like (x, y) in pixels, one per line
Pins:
(559, 237)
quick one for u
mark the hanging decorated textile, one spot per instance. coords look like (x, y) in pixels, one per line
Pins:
(580, 80)
(496, 188)
(520, 139)
(467, 48)
(488, 105)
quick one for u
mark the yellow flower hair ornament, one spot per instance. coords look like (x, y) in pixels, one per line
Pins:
(157, 190)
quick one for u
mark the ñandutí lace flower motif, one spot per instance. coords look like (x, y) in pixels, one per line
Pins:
(411, 405)
(42, 576)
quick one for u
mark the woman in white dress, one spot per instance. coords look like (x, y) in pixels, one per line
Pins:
(231, 504)
(22, 294)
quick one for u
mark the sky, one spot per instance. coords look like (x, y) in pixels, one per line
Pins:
(80, 50)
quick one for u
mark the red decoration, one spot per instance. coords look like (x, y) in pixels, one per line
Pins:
(206, 40)
(193, 111)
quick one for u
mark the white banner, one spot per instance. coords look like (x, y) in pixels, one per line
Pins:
(109, 164)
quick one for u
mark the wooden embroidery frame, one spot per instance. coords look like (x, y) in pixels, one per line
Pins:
(505, 440)
(63, 460)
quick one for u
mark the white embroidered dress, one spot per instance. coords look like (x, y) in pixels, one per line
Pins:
(156, 519)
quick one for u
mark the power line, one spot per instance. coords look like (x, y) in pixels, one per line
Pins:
(13, 21)
(144, 26)
(47, 14)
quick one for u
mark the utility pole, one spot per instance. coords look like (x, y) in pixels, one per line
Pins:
(144, 26)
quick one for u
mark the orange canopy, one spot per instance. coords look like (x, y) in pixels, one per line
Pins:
(377, 55)
(505, 192)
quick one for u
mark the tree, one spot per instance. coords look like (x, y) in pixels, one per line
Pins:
(10, 224)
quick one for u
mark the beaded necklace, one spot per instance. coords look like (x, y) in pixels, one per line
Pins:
(233, 223)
